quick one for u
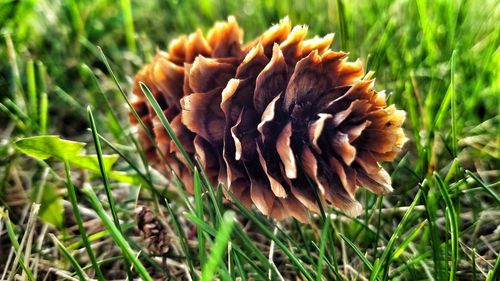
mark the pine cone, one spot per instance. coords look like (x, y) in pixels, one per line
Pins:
(153, 231)
(276, 120)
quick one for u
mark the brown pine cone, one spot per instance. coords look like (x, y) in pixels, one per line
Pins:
(276, 120)
(153, 231)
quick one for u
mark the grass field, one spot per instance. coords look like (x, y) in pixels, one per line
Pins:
(66, 68)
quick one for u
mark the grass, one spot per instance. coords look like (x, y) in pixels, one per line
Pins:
(437, 60)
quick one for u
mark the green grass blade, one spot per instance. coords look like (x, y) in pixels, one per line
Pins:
(431, 204)
(131, 108)
(257, 269)
(294, 259)
(182, 239)
(452, 218)
(126, 6)
(485, 187)
(221, 240)
(329, 264)
(16, 246)
(44, 108)
(76, 266)
(384, 259)
(215, 203)
(104, 175)
(79, 221)
(200, 223)
(44, 101)
(32, 94)
(147, 179)
(116, 234)
(399, 250)
(357, 251)
(12, 116)
(114, 122)
(343, 24)
(199, 213)
(239, 265)
(17, 94)
(124, 95)
(237, 251)
(41, 77)
(322, 249)
(18, 111)
(453, 106)
(159, 112)
(494, 274)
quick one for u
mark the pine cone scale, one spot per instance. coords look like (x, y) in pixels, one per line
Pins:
(270, 81)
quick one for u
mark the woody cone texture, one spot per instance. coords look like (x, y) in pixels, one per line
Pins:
(276, 120)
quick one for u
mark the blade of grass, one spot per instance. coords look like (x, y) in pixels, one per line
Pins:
(305, 244)
(41, 76)
(91, 238)
(44, 108)
(79, 221)
(199, 213)
(399, 250)
(473, 262)
(221, 240)
(32, 94)
(484, 186)
(327, 262)
(404, 268)
(295, 260)
(116, 234)
(103, 261)
(494, 274)
(18, 111)
(322, 249)
(147, 180)
(236, 249)
(452, 219)
(69, 100)
(126, 6)
(104, 173)
(17, 89)
(343, 24)
(27, 239)
(453, 106)
(17, 250)
(131, 108)
(114, 118)
(357, 251)
(105, 180)
(44, 102)
(377, 267)
(239, 266)
(76, 266)
(163, 119)
(12, 116)
(252, 248)
(182, 239)
(257, 269)
(200, 223)
(430, 202)
(211, 194)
